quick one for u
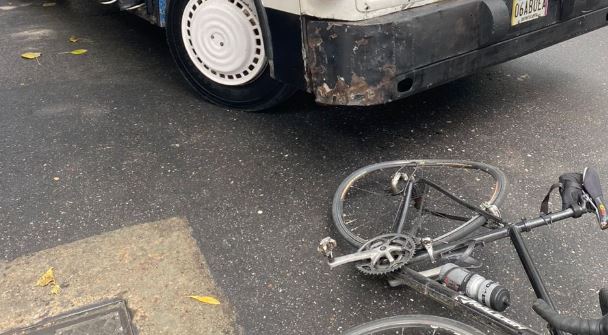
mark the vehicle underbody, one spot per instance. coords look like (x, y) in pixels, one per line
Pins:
(362, 57)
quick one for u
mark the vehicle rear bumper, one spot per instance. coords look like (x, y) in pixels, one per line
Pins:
(391, 57)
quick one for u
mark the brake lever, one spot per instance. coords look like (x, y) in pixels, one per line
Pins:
(602, 216)
(602, 219)
(594, 195)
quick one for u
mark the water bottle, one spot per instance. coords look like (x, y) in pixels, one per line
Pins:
(485, 291)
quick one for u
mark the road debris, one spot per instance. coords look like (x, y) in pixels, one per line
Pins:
(48, 278)
(31, 55)
(205, 299)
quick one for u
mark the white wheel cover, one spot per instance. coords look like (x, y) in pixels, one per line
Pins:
(224, 40)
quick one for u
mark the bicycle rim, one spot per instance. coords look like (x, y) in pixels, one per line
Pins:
(414, 324)
(494, 178)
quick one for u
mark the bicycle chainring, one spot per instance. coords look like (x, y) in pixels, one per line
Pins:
(393, 252)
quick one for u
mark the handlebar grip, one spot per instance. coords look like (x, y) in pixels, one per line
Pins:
(604, 301)
(569, 324)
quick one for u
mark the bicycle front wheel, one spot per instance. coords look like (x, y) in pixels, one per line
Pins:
(414, 324)
(366, 203)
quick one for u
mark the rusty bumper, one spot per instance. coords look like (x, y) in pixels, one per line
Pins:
(394, 56)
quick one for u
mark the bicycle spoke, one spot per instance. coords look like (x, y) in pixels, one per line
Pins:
(364, 190)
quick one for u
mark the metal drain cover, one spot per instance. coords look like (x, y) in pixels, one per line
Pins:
(110, 318)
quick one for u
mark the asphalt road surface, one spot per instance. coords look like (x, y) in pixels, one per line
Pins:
(115, 137)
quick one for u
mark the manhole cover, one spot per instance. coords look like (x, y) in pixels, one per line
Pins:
(111, 318)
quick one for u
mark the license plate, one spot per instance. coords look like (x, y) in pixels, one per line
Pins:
(528, 10)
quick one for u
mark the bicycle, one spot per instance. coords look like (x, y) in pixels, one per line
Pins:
(396, 245)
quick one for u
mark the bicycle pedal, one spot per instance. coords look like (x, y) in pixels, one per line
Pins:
(326, 247)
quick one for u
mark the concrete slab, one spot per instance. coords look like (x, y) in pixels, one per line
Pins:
(153, 266)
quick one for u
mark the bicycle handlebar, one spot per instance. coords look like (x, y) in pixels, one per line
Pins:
(575, 325)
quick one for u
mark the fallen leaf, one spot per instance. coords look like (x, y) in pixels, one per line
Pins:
(55, 289)
(205, 299)
(79, 52)
(73, 39)
(31, 55)
(47, 278)
(49, 4)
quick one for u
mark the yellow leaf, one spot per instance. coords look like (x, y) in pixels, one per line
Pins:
(205, 299)
(55, 289)
(47, 278)
(79, 52)
(73, 39)
(31, 55)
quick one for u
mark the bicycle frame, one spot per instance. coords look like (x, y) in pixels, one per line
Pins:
(384, 254)
(480, 313)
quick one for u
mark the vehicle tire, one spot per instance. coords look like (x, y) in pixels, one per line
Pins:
(414, 324)
(353, 235)
(219, 47)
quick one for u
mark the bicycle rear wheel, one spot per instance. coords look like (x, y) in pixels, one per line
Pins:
(414, 324)
(364, 205)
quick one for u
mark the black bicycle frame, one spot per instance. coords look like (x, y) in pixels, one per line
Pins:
(479, 312)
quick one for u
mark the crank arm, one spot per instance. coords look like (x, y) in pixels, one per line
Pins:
(372, 255)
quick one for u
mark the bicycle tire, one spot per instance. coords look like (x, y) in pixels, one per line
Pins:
(463, 230)
(413, 321)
